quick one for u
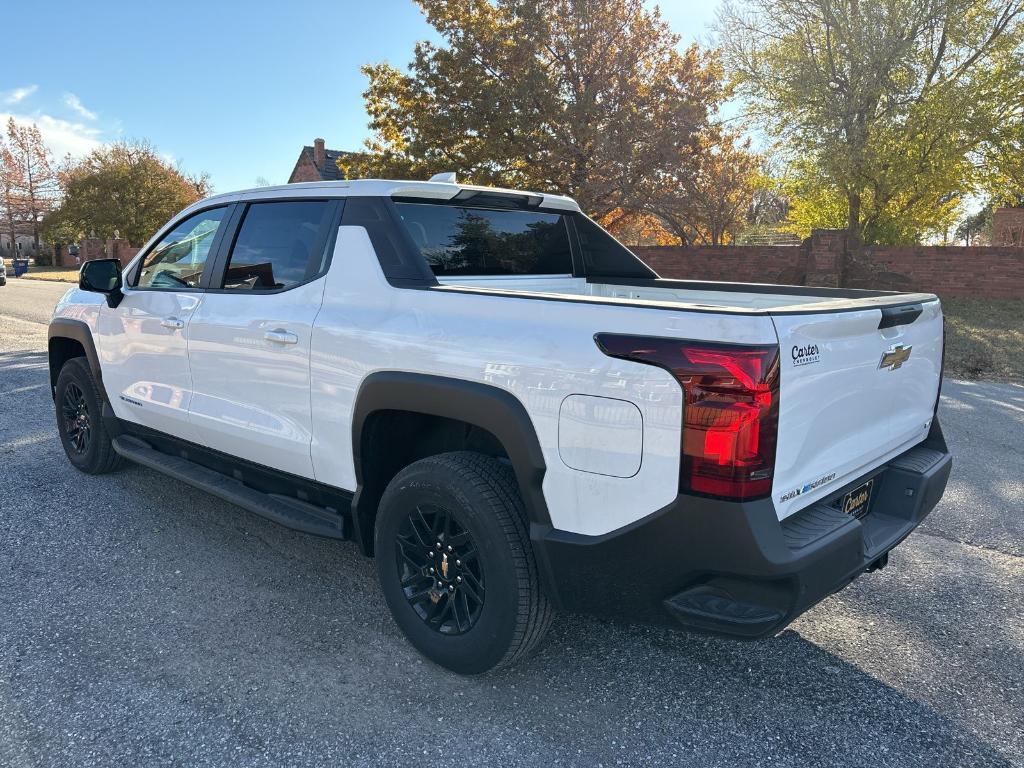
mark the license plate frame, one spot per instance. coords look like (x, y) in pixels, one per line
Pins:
(857, 502)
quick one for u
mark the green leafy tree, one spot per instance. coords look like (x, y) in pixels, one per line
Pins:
(123, 187)
(886, 108)
(591, 98)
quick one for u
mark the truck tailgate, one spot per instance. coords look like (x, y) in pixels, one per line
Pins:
(852, 395)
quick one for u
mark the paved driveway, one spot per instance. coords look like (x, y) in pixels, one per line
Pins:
(144, 623)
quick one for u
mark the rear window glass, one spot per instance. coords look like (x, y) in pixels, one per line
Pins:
(276, 244)
(458, 240)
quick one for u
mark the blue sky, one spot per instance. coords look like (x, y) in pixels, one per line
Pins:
(233, 89)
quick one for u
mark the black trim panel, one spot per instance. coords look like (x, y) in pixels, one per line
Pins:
(732, 568)
(903, 315)
(258, 477)
(289, 512)
(66, 328)
(490, 408)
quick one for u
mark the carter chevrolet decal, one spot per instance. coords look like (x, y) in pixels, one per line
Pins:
(808, 487)
(805, 355)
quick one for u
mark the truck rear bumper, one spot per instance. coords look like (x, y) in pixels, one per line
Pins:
(732, 568)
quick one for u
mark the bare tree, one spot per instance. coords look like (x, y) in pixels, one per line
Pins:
(30, 177)
(8, 204)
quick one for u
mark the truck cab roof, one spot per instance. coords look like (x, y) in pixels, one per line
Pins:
(429, 190)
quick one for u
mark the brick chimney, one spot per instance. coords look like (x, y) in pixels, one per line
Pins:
(319, 154)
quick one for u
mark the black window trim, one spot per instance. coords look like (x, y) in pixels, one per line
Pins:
(134, 270)
(323, 250)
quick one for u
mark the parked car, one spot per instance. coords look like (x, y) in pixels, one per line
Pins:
(508, 408)
(3, 272)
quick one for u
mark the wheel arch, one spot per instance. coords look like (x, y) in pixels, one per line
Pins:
(69, 338)
(491, 409)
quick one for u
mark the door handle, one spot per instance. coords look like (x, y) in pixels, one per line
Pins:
(173, 323)
(281, 336)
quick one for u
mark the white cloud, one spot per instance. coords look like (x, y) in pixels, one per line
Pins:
(76, 105)
(18, 94)
(63, 137)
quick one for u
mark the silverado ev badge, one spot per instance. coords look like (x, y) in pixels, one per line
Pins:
(805, 355)
(894, 357)
(808, 487)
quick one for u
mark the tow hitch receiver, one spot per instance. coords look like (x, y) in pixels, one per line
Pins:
(879, 564)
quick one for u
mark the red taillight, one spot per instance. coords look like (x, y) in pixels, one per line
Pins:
(730, 409)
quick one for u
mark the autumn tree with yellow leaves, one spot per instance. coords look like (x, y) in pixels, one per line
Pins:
(591, 98)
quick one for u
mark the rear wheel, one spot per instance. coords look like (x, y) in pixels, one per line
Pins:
(79, 422)
(455, 562)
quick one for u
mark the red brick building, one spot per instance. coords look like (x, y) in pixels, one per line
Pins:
(317, 163)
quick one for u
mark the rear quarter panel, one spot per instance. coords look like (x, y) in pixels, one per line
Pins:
(542, 351)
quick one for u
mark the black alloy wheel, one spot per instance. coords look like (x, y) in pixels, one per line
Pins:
(439, 570)
(77, 424)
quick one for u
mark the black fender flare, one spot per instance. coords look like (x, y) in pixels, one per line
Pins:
(485, 406)
(66, 328)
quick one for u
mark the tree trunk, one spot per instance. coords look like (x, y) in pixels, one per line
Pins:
(853, 242)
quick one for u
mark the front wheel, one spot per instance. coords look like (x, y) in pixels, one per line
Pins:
(79, 420)
(455, 562)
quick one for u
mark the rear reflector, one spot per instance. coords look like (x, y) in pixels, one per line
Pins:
(730, 409)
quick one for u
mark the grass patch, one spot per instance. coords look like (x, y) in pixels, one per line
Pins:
(985, 338)
(60, 274)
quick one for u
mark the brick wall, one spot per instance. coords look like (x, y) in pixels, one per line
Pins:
(93, 248)
(305, 170)
(976, 271)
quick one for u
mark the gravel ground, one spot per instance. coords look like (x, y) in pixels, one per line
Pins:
(144, 623)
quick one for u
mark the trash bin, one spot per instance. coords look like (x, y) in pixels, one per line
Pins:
(20, 267)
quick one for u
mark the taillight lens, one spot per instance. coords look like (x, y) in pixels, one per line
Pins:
(730, 409)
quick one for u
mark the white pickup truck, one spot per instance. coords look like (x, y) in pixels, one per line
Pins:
(509, 409)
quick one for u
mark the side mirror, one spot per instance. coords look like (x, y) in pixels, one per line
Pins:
(102, 276)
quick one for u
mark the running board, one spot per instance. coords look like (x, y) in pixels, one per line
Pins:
(291, 513)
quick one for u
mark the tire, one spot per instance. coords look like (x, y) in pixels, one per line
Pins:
(79, 420)
(492, 611)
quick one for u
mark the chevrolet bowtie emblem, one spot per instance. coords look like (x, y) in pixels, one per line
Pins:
(894, 357)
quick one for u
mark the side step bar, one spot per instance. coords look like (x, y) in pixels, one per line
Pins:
(291, 513)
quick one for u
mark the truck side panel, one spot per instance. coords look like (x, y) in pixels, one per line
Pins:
(541, 351)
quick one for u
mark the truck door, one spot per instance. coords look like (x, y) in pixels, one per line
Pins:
(249, 340)
(143, 342)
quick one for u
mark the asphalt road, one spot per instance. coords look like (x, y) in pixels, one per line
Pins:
(144, 623)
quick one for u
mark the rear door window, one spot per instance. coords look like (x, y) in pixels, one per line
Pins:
(278, 245)
(457, 240)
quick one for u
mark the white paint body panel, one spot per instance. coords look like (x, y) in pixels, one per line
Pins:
(251, 393)
(843, 415)
(609, 429)
(539, 350)
(145, 361)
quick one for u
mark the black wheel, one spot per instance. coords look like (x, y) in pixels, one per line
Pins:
(455, 562)
(79, 422)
